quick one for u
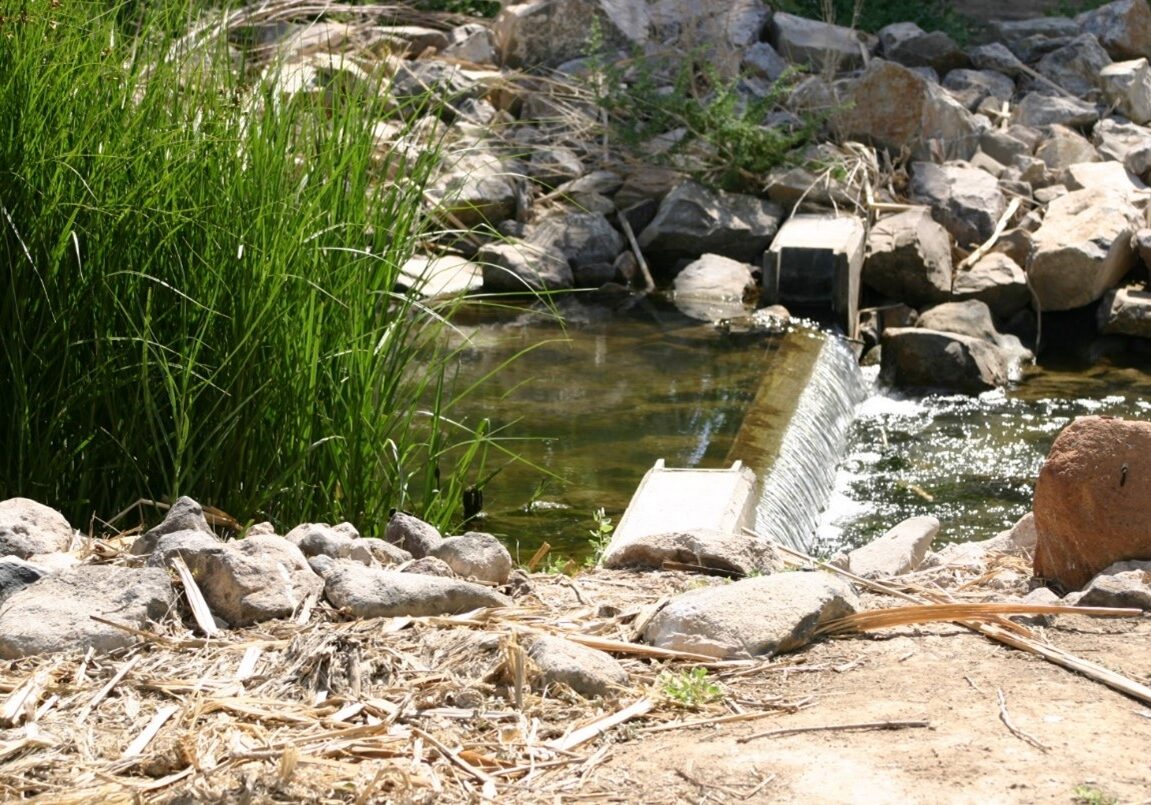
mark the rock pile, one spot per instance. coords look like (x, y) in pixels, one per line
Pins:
(1014, 170)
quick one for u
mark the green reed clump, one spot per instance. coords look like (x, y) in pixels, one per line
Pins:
(196, 284)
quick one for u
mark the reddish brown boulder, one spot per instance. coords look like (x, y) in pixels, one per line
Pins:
(1093, 500)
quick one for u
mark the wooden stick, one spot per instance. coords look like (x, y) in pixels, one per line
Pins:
(1018, 733)
(987, 245)
(927, 613)
(144, 738)
(648, 282)
(20, 704)
(104, 691)
(200, 610)
(454, 757)
(600, 726)
(866, 725)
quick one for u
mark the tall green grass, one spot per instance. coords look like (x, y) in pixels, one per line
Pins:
(196, 284)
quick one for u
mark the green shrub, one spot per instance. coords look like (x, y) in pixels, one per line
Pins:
(196, 285)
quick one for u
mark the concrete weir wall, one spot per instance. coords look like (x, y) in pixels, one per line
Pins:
(781, 466)
(795, 432)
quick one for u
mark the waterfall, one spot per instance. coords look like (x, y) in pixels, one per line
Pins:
(796, 431)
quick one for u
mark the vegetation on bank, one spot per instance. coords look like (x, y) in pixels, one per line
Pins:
(196, 284)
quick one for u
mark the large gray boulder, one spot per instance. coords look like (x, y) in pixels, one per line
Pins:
(693, 220)
(760, 616)
(365, 592)
(997, 281)
(920, 359)
(1076, 66)
(909, 258)
(817, 44)
(737, 554)
(53, 614)
(28, 528)
(1127, 85)
(966, 200)
(546, 33)
(911, 46)
(514, 266)
(476, 555)
(587, 671)
(1038, 109)
(893, 107)
(582, 238)
(1083, 248)
(255, 579)
(474, 187)
(1123, 28)
(1126, 311)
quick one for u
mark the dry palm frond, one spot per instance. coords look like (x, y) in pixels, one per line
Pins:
(933, 613)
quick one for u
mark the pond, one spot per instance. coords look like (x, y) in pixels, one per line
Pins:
(594, 400)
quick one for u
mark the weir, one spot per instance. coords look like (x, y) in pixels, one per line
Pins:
(792, 437)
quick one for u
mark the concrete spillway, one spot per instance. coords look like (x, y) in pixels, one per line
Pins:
(793, 435)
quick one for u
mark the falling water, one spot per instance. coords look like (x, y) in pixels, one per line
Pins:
(796, 448)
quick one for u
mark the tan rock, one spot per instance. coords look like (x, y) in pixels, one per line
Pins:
(1093, 500)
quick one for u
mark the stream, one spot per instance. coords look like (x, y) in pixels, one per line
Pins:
(592, 402)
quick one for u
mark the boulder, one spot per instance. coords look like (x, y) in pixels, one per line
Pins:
(185, 544)
(1126, 143)
(1125, 311)
(382, 552)
(966, 200)
(726, 28)
(446, 275)
(713, 288)
(997, 57)
(549, 32)
(763, 61)
(365, 592)
(900, 550)
(554, 165)
(28, 528)
(972, 87)
(760, 616)
(476, 555)
(314, 539)
(1127, 85)
(921, 359)
(819, 45)
(1038, 110)
(472, 42)
(1064, 148)
(1076, 66)
(1082, 249)
(997, 281)
(16, 574)
(416, 79)
(514, 266)
(737, 554)
(475, 187)
(909, 258)
(1123, 28)
(973, 318)
(693, 220)
(410, 533)
(908, 44)
(53, 614)
(1002, 146)
(587, 671)
(1123, 584)
(1106, 176)
(583, 238)
(1092, 500)
(891, 106)
(254, 579)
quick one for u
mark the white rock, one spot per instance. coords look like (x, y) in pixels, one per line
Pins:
(371, 593)
(476, 555)
(1128, 85)
(900, 550)
(255, 579)
(28, 527)
(587, 671)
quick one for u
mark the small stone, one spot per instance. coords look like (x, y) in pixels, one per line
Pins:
(314, 539)
(254, 579)
(900, 550)
(1123, 584)
(184, 515)
(16, 574)
(371, 593)
(476, 555)
(429, 566)
(185, 544)
(587, 671)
